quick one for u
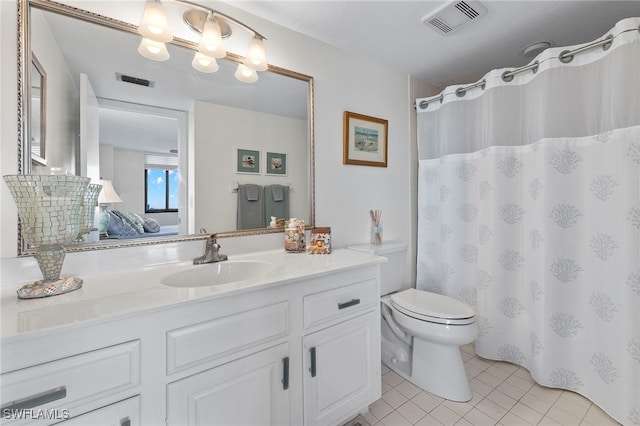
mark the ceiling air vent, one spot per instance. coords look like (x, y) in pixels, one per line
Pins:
(135, 80)
(454, 15)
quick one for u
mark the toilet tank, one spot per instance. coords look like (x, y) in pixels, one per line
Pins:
(392, 272)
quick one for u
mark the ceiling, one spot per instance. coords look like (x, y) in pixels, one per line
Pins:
(391, 32)
(388, 32)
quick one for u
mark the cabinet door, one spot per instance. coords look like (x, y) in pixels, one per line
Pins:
(341, 370)
(249, 391)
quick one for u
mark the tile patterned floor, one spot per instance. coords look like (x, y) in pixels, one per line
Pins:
(503, 394)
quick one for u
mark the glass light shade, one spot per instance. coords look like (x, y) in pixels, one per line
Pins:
(256, 58)
(154, 23)
(211, 40)
(154, 50)
(204, 63)
(246, 75)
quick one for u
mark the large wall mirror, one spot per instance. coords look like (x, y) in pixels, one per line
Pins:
(175, 144)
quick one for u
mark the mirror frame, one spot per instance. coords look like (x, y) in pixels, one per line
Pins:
(25, 58)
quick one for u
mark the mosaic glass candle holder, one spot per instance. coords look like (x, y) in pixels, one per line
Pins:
(49, 210)
(88, 210)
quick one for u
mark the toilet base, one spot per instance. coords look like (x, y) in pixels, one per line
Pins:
(440, 370)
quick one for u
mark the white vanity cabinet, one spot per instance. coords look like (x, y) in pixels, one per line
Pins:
(253, 390)
(68, 388)
(299, 350)
(341, 362)
(311, 356)
(228, 362)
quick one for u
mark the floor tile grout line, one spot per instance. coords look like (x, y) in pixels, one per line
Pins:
(513, 370)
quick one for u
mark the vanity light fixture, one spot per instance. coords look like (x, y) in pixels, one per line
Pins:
(204, 63)
(211, 40)
(154, 23)
(246, 74)
(212, 26)
(255, 58)
(154, 50)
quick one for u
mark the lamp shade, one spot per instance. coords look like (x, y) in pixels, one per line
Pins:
(256, 58)
(204, 63)
(154, 23)
(108, 193)
(246, 75)
(154, 50)
(211, 40)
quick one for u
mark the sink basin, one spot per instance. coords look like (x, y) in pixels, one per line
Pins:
(211, 274)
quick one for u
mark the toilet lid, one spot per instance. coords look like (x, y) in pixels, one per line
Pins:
(432, 307)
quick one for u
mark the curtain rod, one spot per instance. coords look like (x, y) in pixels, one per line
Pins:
(565, 56)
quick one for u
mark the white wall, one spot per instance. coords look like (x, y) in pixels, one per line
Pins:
(8, 126)
(344, 193)
(219, 132)
(345, 82)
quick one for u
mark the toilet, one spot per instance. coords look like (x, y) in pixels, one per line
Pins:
(422, 331)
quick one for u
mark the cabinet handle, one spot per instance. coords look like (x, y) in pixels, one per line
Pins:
(313, 361)
(285, 373)
(351, 302)
(125, 422)
(34, 400)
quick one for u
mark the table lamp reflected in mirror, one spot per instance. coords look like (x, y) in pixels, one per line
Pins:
(108, 196)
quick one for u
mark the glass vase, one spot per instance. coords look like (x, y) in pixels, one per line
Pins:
(50, 215)
(376, 233)
(88, 210)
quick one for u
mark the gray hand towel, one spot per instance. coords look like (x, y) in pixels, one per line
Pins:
(250, 212)
(253, 192)
(277, 192)
(278, 209)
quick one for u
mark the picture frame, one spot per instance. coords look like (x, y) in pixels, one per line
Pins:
(248, 161)
(365, 140)
(276, 164)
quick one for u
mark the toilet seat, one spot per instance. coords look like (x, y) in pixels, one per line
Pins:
(432, 307)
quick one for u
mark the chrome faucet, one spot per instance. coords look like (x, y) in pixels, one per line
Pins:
(211, 253)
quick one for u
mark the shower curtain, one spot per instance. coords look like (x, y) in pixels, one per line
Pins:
(529, 210)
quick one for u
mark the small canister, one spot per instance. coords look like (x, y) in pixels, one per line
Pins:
(294, 236)
(320, 240)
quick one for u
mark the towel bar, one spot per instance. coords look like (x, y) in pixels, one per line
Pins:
(234, 186)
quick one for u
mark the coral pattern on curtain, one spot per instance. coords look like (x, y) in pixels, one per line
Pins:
(529, 210)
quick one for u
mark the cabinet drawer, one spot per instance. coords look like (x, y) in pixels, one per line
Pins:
(123, 413)
(321, 307)
(69, 382)
(200, 343)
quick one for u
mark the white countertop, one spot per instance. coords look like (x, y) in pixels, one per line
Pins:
(110, 296)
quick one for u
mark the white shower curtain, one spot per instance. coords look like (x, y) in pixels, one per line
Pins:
(529, 210)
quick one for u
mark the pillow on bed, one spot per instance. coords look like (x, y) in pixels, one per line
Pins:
(119, 228)
(132, 219)
(150, 225)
